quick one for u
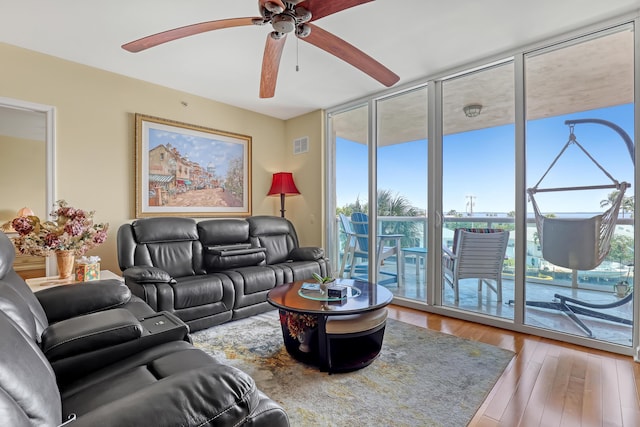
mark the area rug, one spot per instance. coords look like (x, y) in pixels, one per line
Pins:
(421, 377)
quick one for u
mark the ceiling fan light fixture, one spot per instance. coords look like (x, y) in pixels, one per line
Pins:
(302, 14)
(273, 7)
(283, 23)
(303, 30)
(472, 110)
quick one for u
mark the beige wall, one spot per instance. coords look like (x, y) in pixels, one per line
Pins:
(306, 210)
(95, 139)
(22, 176)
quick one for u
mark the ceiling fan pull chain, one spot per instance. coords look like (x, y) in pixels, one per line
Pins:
(297, 54)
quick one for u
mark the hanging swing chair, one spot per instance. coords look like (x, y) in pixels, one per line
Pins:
(579, 243)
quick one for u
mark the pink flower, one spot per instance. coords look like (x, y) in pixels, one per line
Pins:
(70, 229)
(74, 228)
(51, 240)
(22, 225)
(100, 237)
(67, 212)
(79, 215)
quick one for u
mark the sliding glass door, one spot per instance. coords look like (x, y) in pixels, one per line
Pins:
(478, 190)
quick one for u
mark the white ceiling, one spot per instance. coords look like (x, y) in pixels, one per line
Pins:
(414, 38)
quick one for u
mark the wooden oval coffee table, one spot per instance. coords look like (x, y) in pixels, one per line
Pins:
(363, 303)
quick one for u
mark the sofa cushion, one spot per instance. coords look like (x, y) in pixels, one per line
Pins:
(227, 231)
(194, 291)
(176, 258)
(275, 234)
(180, 388)
(278, 247)
(153, 230)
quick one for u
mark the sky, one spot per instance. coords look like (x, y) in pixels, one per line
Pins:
(480, 165)
(200, 149)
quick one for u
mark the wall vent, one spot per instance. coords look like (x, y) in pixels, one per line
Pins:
(301, 145)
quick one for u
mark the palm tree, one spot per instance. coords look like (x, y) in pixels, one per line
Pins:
(390, 205)
(627, 202)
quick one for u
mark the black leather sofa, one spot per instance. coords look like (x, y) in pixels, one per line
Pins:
(213, 271)
(95, 355)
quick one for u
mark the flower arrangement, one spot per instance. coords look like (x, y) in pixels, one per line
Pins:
(297, 323)
(70, 229)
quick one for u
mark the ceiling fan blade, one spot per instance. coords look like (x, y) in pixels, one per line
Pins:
(351, 54)
(181, 32)
(321, 8)
(270, 66)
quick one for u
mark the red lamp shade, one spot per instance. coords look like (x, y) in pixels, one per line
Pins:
(282, 184)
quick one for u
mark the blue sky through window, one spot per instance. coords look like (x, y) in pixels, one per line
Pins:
(481, 163)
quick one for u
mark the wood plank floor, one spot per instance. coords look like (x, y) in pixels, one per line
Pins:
(548, 383)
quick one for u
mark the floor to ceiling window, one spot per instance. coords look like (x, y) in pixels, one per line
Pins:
(478, 189)
(536, 151)
(402, 190)
(580, 167)
(400, 230)
(349, 131)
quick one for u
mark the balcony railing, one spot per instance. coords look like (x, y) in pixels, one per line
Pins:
(609, 272)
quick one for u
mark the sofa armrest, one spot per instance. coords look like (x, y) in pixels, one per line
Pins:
(143, 275)
(90, 332)
(64, 302)
(309, 253)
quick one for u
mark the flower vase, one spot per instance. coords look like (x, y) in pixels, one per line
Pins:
(65, 260)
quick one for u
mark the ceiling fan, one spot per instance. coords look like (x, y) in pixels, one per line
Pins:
(285, 16)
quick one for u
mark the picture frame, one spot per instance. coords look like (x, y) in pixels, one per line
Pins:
(189, 170)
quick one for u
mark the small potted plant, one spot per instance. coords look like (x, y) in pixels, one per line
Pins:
(622, 288)
(324, 282)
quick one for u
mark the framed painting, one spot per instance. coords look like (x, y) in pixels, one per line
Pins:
(190, 170)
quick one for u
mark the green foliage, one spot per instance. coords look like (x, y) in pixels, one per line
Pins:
(321, 279)
(390, 205)
(626, 206)
(621, 249)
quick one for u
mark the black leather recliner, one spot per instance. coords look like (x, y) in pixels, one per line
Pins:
(110, 368)
(213, 271)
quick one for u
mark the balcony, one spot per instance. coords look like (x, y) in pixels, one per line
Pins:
(543, 280)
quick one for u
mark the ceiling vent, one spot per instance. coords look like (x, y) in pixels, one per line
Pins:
(301, 145)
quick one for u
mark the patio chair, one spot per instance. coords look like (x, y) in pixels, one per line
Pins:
(360, 228)
(349, 247)
(476, 254)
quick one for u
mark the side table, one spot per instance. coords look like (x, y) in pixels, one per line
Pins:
(38, 283)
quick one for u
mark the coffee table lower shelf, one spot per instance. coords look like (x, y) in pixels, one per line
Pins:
(342, 353)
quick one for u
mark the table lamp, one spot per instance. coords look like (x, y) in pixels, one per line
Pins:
(282, 184)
